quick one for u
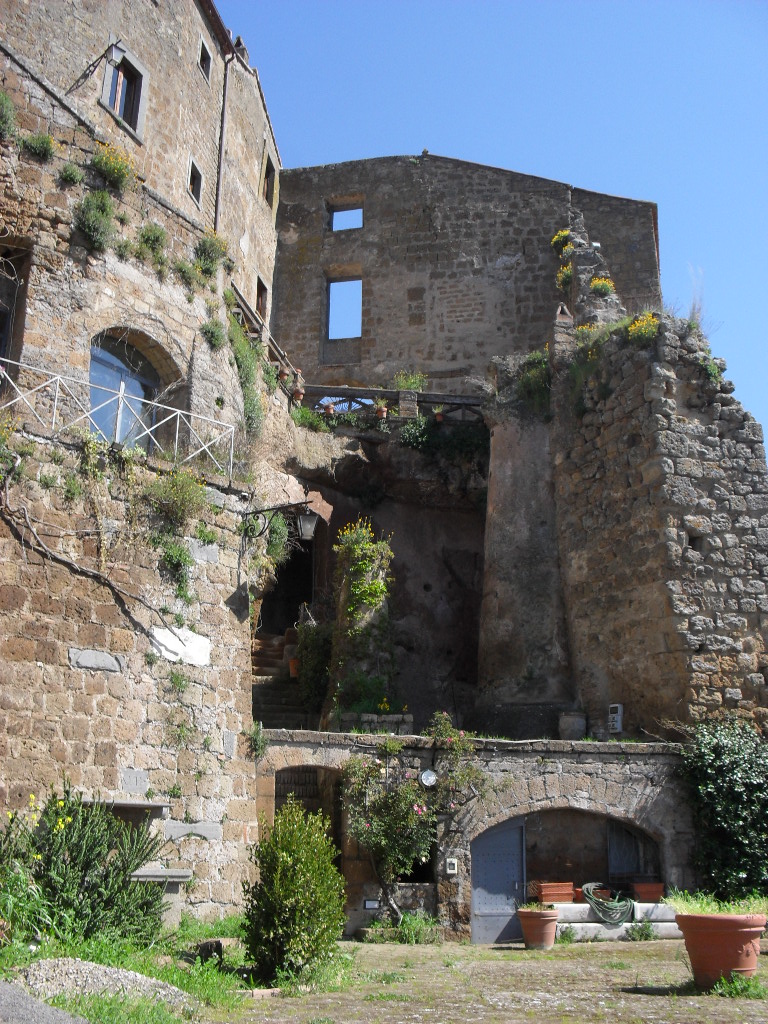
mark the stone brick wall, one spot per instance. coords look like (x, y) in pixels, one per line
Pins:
(60, 49)
(86, 686)
(454, 258)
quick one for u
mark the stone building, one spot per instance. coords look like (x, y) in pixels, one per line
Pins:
(602, 555)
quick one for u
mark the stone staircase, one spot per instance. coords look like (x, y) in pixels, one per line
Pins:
(587, 926)
(276, 701)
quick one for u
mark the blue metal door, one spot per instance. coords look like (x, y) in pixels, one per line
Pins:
(498, 882)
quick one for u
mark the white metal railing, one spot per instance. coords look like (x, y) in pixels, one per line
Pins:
(172, 433)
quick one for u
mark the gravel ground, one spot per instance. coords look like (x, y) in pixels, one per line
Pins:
(612, 982)
(615, 982)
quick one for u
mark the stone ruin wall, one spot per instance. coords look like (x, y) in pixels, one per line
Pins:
(455, 262)
(662, 505)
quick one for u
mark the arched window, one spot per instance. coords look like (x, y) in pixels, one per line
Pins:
(123, 382)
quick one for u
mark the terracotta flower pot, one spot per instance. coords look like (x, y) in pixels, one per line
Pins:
(720, 945)
(298, 394)
(293, 667)
(647, 892)
(539, 928)
(381, 411)
(553, 892)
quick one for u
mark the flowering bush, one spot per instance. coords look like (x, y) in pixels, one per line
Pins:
(564, 277)
(178, 497)
(601, 286)
(65, 870)
(560, 239)
(392, 816)
(114, 165)
(643, 328)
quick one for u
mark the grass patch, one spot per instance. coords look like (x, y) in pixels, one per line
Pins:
(739, 987)
(103, 1009)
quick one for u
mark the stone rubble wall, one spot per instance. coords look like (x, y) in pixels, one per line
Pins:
(662, 494)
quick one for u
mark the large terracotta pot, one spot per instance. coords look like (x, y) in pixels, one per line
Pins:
(539, 928)
(648, 892)
(720, 945)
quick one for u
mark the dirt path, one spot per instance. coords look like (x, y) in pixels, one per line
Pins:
(641, 983)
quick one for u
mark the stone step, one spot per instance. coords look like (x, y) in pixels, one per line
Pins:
(582, 913)
(599, 932)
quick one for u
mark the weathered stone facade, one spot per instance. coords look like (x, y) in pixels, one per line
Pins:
(454, 259)
(587, 783)
(621, 557)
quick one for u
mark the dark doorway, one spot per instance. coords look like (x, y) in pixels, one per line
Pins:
(280, 607)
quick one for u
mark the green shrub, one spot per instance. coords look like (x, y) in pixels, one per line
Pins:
(213, 332)
(641, 931)
(123, 248)
(310, 419)
(209, 252)
(71, 174)
(247, 357)
(40, 145)
(94, 217)
(534, 382)
(294, 913)
(114, 165)
(560, 239)
(564, 277)
(178, 497)
(188, 275)
(418, 929)
(726, 765)
(177, 560)
(257, 741)
(81, 859)
(151, 241)
(278, 545)
(643, 327)
(269, 375)
(415, 433)
(314, 654)
(7, 116)
(409, 380)
(602, 286)
(205, 534)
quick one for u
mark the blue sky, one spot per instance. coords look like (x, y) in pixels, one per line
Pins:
(665, 101)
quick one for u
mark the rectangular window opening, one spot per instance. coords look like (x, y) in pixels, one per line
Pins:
(261, 299)
(195, 182)
(346, 219)
(345, 309)
(125, 87)
(268, 185)
(125, 93)
(204, 61)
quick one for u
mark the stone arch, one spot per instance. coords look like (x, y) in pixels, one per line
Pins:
(134, 364)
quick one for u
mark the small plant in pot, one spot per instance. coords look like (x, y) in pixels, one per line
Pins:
(539, 924)
(722, 939)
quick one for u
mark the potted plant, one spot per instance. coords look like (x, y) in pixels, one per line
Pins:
(329, 408)
(380, 405)
(438, 411)
(539, 924)
(721, 938)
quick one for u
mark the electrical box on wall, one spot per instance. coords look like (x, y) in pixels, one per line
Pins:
(451, 866)
(615, 718)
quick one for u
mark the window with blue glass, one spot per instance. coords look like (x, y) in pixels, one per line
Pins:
(123, 384)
